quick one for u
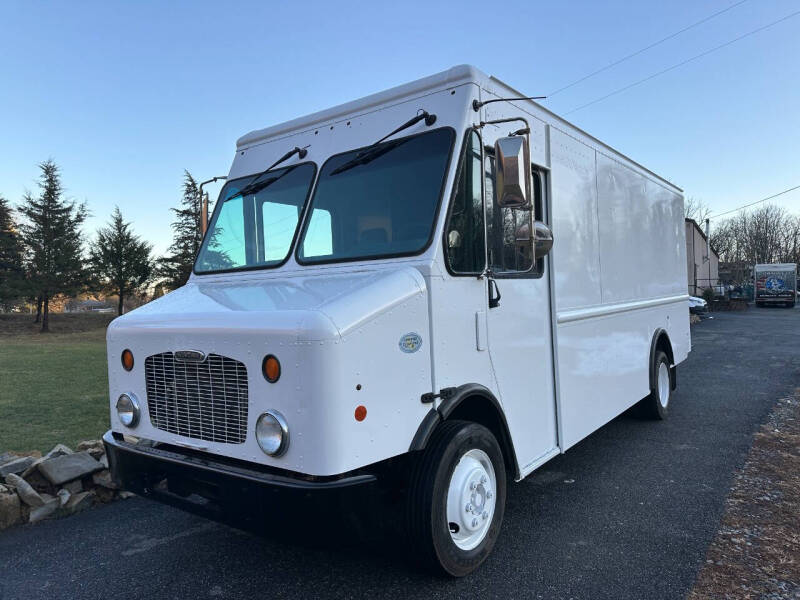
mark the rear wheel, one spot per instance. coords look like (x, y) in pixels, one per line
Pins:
(457, 498)
(656, 405)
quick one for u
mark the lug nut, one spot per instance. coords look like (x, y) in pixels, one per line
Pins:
(468, 508)
(473, 485)
(485, 515)
(483, 479)
(474, 522)
(489, 494)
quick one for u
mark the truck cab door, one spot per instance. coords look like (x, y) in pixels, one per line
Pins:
(519, 315)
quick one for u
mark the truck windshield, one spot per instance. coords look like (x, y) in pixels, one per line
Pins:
(256, 229)
(377, 202)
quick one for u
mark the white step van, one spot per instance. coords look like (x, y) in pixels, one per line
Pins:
(439, 287)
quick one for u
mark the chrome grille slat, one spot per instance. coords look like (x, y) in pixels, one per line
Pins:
(205, 400)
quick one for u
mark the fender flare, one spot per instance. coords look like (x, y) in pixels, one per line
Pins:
(670, 355)
(449, 405)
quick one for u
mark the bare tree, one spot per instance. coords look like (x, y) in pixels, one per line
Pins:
(696, 209)
(767, 234)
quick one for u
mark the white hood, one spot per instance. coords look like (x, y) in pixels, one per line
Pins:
(318, 307)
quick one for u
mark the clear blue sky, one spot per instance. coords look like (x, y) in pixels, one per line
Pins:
(124, 96)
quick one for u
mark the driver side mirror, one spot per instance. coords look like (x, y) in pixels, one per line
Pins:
(513, 172)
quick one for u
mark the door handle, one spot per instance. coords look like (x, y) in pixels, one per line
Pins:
(494, 293)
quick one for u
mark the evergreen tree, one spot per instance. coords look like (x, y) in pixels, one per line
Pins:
(52, 235)
(175, 268)
(12, 275)
(120, 260)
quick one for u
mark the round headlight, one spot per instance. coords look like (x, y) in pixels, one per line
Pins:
(128, 410)
(272, 433)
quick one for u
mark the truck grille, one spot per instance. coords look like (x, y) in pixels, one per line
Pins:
(202, 400)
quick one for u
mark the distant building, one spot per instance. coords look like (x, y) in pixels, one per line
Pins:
(88, 306)
(702, 270)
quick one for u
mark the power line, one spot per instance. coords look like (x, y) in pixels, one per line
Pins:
(680, 64)
(727, 212)
(645, 49)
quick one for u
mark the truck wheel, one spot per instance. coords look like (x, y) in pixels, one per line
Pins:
(656, 405)
(456, 498)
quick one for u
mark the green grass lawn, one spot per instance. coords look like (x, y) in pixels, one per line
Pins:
(53, 387)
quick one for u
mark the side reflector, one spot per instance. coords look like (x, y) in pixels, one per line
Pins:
(361, 412)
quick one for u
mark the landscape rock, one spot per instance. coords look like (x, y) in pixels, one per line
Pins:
(58, 450)
(124, 495)
(103, 460)
(104, 494)
(10, 508)
(67, 467)
(38, 482)
(79, 502)
(7, 457)
(74, 487)
(63, 496)
(103, 479)
(48, 509)
(93, 447)
(16, 466)
(25, 492)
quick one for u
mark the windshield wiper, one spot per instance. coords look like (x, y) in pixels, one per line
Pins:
(366, 156)
(374, 151)
(255, 186)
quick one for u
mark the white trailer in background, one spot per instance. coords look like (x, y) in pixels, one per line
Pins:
(376, 303)
(775, 284)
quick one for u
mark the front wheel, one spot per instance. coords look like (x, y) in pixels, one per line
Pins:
(457, 498)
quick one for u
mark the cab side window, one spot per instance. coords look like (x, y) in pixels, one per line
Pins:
(509, 229)
(465, 236)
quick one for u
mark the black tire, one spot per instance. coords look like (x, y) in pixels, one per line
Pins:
(426, 510)
(652, 407)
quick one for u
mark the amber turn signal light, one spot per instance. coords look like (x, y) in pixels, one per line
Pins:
(271, 368)
(127, 360)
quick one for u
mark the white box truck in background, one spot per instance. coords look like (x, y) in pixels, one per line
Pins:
(775, 284)
(437, 288)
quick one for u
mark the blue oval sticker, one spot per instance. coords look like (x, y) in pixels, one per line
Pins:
(410, 342)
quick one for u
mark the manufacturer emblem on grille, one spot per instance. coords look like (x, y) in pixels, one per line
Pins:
(190, 356)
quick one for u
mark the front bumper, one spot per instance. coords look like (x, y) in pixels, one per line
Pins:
(231, 491)
(775, 299)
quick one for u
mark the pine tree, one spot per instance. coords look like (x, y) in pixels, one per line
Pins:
(120, 260)
(175, 268)
(12, 274)
(52, 235)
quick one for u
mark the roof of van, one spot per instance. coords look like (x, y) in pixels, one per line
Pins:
(452, 77)
(779, 266)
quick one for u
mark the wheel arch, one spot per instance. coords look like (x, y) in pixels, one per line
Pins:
(661, 341)
(470, 402)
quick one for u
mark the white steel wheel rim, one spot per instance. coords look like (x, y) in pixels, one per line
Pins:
(471, 498)
(663, 384)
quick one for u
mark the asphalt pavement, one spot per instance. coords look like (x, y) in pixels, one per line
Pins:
(627, 513)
